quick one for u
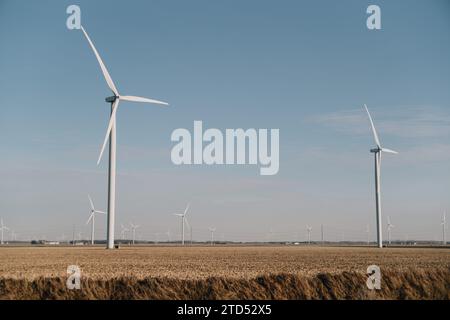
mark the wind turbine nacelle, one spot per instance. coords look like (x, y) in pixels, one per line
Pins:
(111, 99)
(375, 150)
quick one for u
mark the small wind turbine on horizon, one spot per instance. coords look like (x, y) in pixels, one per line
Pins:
(133, 231)
(168, 235)
(444, 227)
(123, 231)
(183, 222)
(92, 218)
(3, 228)
(309, 229)
(389, 227)
(212, 230)
(377, 152)
(111, 135)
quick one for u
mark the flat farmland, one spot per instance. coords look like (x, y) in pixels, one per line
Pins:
(238, 265)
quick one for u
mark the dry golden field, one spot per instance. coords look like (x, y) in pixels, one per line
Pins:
(223, 272)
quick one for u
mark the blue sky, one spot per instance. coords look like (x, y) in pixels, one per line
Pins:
(305, 67)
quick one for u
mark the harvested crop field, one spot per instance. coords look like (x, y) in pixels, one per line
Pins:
(228, 272)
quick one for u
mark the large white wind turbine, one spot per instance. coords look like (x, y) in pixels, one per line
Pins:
(183, 222)
(444, 226)
(2, 228)
(389, 227)
(92, 218)
(377, 152)
(111, 135)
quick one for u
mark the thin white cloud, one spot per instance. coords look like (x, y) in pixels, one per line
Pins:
(404, 122)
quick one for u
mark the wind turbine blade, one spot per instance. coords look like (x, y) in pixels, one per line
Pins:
(388, 220)
(102, 65)
(389, 151)
(102, 212)
(140, 99)
(92, 204)
(178, 214)
(112, 120)
(375, 135)
(187, 208)
(90, 218)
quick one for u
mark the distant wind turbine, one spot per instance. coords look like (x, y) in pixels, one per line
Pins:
(389, 227)
(123, 231)
(92, 218)
(133, 230)
(168, 235)
(2, 228)
(377, 152)
(111, 135)
(212, 230)
(183, 222)
(444, 226)
(309, 229)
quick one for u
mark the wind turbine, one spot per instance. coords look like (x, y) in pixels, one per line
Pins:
(123, 231)
(111, 135)
(92, 218)
(444, 226)
(309, 229)
(377, 152)
(212, 230)
(168, 235)
(183, 222)
(133, 230)
(2, 228)
(389, 227)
